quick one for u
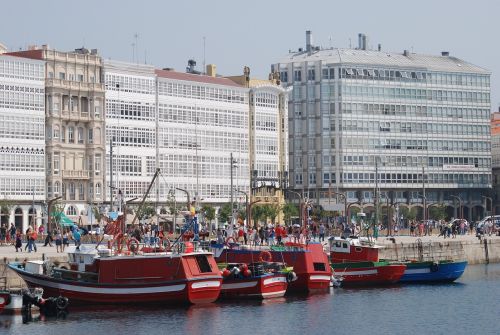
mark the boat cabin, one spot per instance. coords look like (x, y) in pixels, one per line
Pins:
(352, 249)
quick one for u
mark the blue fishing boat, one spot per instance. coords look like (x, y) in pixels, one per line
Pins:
(433, 272)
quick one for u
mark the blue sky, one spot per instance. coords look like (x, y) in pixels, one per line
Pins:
(254, 33)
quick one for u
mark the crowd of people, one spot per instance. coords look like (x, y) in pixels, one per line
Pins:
(60, 237)
(263, 234)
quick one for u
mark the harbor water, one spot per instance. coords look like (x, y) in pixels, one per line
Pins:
(469, 306)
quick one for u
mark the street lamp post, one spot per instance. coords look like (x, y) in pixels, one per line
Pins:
(424, 204)
(460, 212)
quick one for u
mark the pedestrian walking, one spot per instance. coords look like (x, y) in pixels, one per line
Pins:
(18, 242)
(59, 244)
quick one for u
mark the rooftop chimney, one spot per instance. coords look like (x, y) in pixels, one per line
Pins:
(406, 53)
(362, 41)
(309, 41)
(445, 53)
(379, 47)
(211, 70)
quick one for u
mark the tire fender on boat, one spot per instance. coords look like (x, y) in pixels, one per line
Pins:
(290, 277)
(265, 256)
(434, 267)
(133, 243)
(61, 303)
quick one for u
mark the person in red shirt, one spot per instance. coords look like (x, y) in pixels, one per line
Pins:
(241, 237)
(279, 234)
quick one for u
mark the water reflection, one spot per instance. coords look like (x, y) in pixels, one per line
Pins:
(408, 309)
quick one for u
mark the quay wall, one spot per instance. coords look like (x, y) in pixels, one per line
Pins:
(475, 251)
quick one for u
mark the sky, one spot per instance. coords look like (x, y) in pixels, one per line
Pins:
(254, 33)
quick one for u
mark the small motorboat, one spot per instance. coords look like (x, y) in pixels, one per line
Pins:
(255, 280)
(433, 271)
(309, 261)
(359, 265)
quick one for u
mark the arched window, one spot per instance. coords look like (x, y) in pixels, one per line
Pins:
(71, 210)
(32, 216)
(55, 132)
(18, 218)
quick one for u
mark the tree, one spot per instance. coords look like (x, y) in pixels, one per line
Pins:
(290, 210)
(5, 208)
(272, 212)
(147, 211)
(97, 214)
(258, 213)
(208, 212)
(409, 214)
(225, 212)
(438, 212)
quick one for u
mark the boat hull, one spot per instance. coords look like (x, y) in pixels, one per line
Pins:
(262, 287)
(310, 264)
(189, 291)
(432, 272)
(368, 275)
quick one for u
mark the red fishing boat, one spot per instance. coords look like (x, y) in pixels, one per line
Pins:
(357, 262)
(255, 280)
(309, 262)
(110, 276)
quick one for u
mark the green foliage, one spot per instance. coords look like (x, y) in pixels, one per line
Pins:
(437, 212)
(225, 212)
(97, 214)
(242, 213)
(171, 204)
(55, 215)
(272, 212)
(209, 213)
(258, 214)
(290, 210)
(147, 211)
(407, 213)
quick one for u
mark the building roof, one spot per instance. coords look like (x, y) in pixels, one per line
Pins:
(389, 59)
(169, 74)
(129, 68)
(32, 54)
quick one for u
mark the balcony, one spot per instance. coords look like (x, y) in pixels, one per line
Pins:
(74, 85)
(76, 174)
